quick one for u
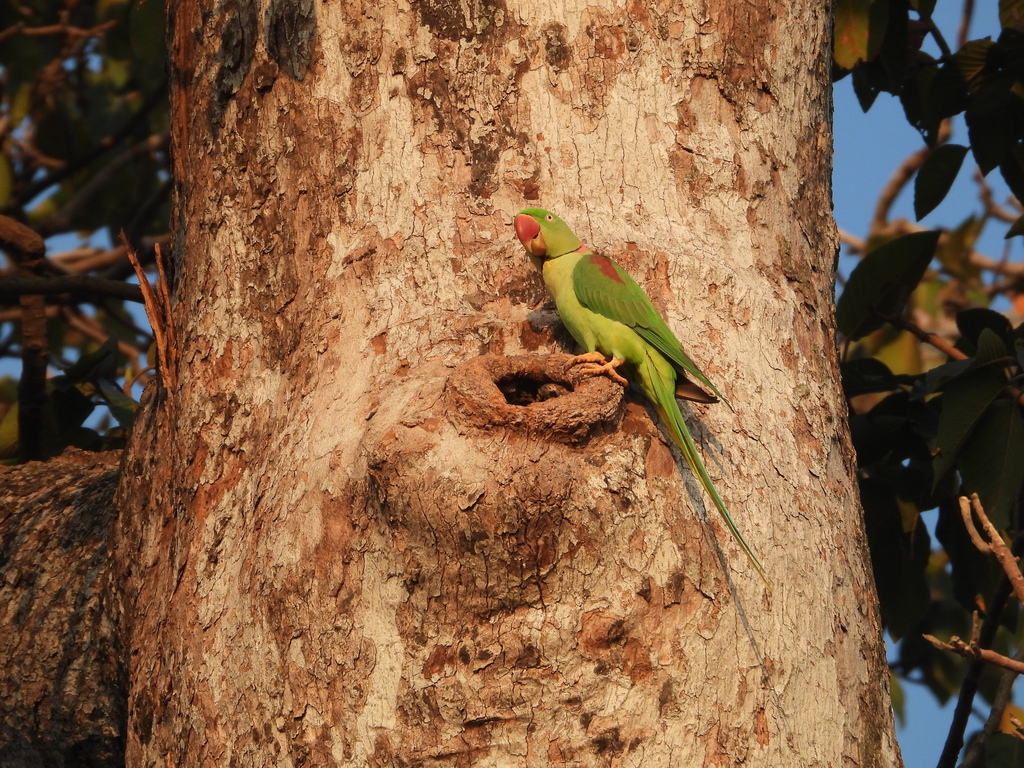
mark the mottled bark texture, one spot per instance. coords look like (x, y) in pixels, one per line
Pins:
(63, 675)
(373, 524)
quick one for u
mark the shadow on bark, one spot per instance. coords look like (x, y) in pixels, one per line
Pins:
(62, 677)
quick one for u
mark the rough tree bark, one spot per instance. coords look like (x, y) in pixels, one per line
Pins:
(62, 672)
(341, 543)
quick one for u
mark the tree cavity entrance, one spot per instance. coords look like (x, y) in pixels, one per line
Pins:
(534, 394)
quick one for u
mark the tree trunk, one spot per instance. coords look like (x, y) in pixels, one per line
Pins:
(370, 520)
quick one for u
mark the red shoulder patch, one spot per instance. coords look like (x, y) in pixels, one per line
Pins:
(607, 267)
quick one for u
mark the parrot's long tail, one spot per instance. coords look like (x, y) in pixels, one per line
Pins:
(673, 419)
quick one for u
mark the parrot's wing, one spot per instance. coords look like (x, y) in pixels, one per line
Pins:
(604, 287)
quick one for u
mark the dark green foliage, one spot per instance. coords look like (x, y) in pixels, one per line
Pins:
(927, 431)
(936, 176)
(1004, 751)
(878, 289)
(951, 430)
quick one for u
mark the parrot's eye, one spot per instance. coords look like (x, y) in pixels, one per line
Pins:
(549, 217)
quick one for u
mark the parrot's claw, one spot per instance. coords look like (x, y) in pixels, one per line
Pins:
(594, 363)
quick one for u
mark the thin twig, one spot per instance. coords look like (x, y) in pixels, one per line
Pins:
(972, 651)
(965, 514)
(939, 39)
(158, 309)
(998, 546)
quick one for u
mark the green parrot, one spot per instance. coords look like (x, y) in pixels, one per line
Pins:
(615, 322)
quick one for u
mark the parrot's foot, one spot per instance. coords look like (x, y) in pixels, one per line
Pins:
(595, 363)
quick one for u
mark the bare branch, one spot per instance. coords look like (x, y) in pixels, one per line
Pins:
(998, 547)
(933, 339)
(80, 287)
(972, 651)
(965, 24)
(965, 514)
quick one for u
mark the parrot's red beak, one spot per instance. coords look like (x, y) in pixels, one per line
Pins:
(528, 232)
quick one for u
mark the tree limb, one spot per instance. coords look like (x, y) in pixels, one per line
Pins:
(79, 286)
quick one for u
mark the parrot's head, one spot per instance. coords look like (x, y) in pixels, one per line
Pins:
(544, 235)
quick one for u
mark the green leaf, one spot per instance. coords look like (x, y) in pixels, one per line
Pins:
(1012, 169)
(971, 323)
(852, 22)
(1017, 228)
(924, 8)
(973, 574)
(101, 363)
(880, 285)
(940, 375)
(870, 79)
(1004, 751)
(991, 461)
(915, 92)
(898, 558)
(971, 60)
(993, 118)
(954, 253)
(991, 348)
(1011, 14)
(897, 698)
(864, 375)
(947, 92)
(122, 407)
(964, 402)
(936, 177)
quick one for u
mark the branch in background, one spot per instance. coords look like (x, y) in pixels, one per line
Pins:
(94, 329)
(79, 260)
(992, 208)
(965, 24)
(969, 688)
(21, 28)
(859, 247)
(905, 324)
(995, 545)
(904, 173)
(975, 756)
(28, 192)
(27, 249)
(80, 287)
(979, 649)
(971, 650)
(86, 194)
